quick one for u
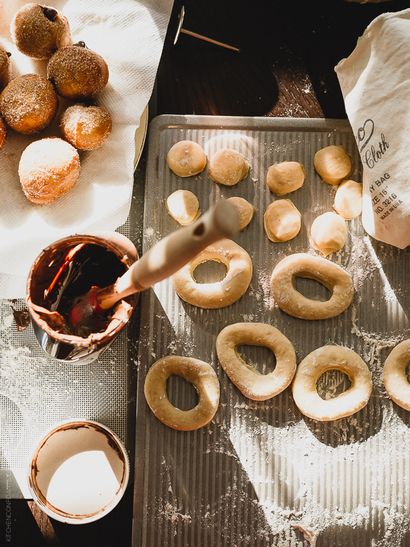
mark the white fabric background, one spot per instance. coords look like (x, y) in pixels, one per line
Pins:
(129, 34)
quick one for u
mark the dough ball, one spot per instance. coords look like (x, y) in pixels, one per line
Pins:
(333, 164)
(282, 220)
(3, 133)
(328, 233)
(245, 210)
(38, 31)
(28, 103)
(77, 72)
(86, 127)
(285, 177)
(186, 158)
(348, 199)
(228, 167)
(48, 169)
(4, 67)
(183, 206)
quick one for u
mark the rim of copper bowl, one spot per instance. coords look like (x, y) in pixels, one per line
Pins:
(121, 312)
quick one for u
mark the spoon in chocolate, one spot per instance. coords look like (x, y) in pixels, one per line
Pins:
(161, 261)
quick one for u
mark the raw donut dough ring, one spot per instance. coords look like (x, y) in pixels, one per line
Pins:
(312, 367)
(329, 274)
(221, 293)
(394, 374)
(198, 373)
(252, 384)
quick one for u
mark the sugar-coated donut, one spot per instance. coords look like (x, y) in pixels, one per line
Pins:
(48, 169)
(318, 362)
(86, 127)
(285, 177)
(245, 209)
(282, 220)
(228, 167)
(4, 67)
(348, 199)
(394, 374)
(333, 164)
(38, 31)
(186, 158)
(3, 133)
(198, 373)
(28, 103)
(329, 274)
(328, 233)
(252, 384)
(221, 293)
(183, 206)
(77, 72)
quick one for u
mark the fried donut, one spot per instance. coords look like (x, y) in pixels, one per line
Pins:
(28, 103)
(228, 167)
(4, 68)
(86, 127)
(3, 133)
(77, 72)
(38, 31)
(221, 293)
(186, 159)
(245, 209)
(282, 220)
(312, 367)
(329, 274)
(48, 169)
(252, 384)
(285, 177)
(183, 206)
(394, 374)
(198, 373)
(333, 164)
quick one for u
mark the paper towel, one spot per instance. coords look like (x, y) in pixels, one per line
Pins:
(130, 35)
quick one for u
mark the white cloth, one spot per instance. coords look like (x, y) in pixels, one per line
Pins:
(375, 82)
(130, 35)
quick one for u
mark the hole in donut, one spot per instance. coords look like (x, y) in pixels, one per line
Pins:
(199, 230)
(210, 271)
(181, 393)
(312, 289)
(260, 358)
(332, 383)
(407, 372)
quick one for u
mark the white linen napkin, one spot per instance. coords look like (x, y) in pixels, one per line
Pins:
(375, 82)
(130, 35)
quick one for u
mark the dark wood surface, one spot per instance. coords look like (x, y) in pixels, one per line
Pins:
(285, 68)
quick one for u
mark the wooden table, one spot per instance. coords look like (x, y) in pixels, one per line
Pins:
(285, 68)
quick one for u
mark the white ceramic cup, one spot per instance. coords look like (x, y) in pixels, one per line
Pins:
(79, 471)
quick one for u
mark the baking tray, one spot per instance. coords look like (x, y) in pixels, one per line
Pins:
(261, 473)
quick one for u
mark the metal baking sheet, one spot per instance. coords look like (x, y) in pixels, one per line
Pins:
(261, 474)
